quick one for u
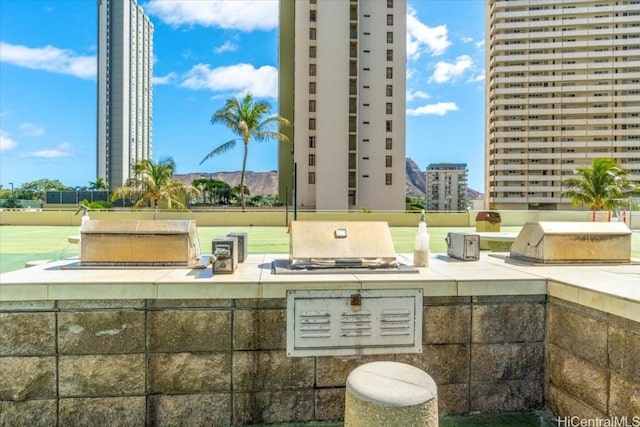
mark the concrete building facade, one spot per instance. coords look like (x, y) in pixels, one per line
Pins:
(125, 89)
(562, 88)
(446, 187)
(342, 85)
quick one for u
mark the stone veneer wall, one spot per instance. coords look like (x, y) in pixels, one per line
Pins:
(221, 362)
(594, 363)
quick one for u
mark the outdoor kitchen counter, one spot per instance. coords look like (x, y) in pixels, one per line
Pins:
(612, 288)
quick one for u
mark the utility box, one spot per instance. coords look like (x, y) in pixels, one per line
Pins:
(225, 252)
(487, 221)
(464, 246)
(242, 245)
(354, 322)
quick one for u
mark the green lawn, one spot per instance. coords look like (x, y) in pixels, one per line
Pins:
(20, 244)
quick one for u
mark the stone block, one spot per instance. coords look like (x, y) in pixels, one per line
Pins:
(507, 362)
(446, 364)
(102, 375)
(27, 305)
(564, 406)
(446, 324)
(101, 332)
(271, 370)
(261, 303)
(105, 411)
(438, 301)
(624, 348)
(190, 303)
(507, 323)
(27, 334)
(259, 330)
(582, 335)
(189, 373)
(329, 404)
(32, 413)
(333, 371)
(189, 330)
(581, 379)
(624, 398)
(507, 396)
(190, 410)
(26, 378)
(453, 399)
(124, 304)
(508, 298)
(270, 407)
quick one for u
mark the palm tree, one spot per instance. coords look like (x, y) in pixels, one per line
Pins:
(98, 184)
(601, 186)
(246, 118)
(153, 183)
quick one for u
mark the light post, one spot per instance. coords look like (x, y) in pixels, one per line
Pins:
(11, 184)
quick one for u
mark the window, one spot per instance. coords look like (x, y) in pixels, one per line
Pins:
(389, 54)
(389, 19)
(312, 177)
(389, 90)
(389, 72)
(389, 108)
(388, 180)
(312, 159)
(312, 124)
(388, 126)
(312, 105)
(388, 161)
(389, 3)
(312, 142)
(388, 143)
(312, 51)
(312, 33)
(389, 36)
(312, 69)
(312, 15)
(312, 87)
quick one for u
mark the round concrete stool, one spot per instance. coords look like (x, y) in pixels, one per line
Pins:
(387, 394)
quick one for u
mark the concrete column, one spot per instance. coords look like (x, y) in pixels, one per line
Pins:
(382, 394)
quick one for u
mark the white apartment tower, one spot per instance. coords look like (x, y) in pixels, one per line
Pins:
(342, 85)
(562, 88)
(446, 188)
(125, 90)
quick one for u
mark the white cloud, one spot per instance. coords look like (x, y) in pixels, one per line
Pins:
(227, 46)
(417, 94)
(240, 78)
(480, 43)
(478, 78)
(165, 80)
(31, 129)
(447, 72)
(63, 150)
(6, 143)
(440, 109)
(49, 58)
(466, 39)
(421, 37)
(243, 15)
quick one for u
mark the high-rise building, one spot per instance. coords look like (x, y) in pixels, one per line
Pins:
(342, 85)
(125, 90)
(446, 187)
(562, 88)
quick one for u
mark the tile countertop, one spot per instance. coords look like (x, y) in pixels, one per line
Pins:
(491, 275)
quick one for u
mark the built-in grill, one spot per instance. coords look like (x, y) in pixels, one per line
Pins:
(572, 243)
(338, 246)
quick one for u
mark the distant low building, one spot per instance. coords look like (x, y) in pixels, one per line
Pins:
(446, 187)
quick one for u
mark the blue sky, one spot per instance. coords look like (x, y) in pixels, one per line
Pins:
(204, 53)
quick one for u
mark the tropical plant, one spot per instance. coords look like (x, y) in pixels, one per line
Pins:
(604, 185)
(246, 118)
(36, 190)
(153, 183)
(98, 184)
